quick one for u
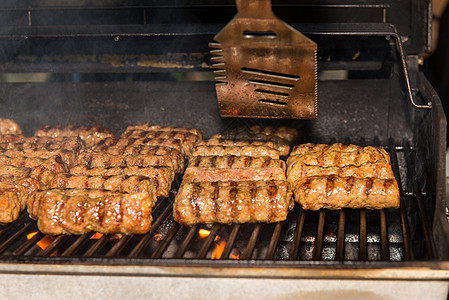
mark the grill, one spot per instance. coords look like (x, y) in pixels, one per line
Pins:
(118, 65)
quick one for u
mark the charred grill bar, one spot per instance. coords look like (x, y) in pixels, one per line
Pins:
(118, 65)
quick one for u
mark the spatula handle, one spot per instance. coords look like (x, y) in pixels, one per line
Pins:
(254, 9)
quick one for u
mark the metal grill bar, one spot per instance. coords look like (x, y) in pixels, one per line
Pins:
(319, 236)
(28, 244)
(168, 238)
(187, 241)
(385, 249)
(231, 240)
(362, 236)
(340, 255)
(77, 244)
(147, 237)
(294, 250)
(208, 242)
(13, 238)
(248, 252)
(274, 241)
(403, 212)
(97, 246)
(118, 246)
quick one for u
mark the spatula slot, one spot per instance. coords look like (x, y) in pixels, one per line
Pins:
(272, 93)
(269, 73)
(271, 84)
(266, 101)
(259, 34)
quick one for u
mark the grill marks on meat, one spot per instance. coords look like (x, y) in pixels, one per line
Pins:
(128, 184)
(67, 156)
(54, 163)
(228, 202)
(160, 176)
(45, 143)
(281, 135)
(91, 135)
(335, 192)
(256, 151)
(105, 160)
(283, 149)
(125, 142)
(234, 168)
(174, 155)
(380, 170)
(341, 159)
(187, 138)
(337, 176)
(74, 211)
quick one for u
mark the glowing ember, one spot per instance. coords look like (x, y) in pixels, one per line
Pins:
(96, 236)
(158, 237)
(203, 233)
(234, 255)
(216, 254)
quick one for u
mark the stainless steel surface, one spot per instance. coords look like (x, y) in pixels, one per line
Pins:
(265, 68)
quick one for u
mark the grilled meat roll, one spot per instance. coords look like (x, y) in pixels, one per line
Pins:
(256, 151)
(13, 198)
(234, 168)
(187, 137)
(105, 160)
(67, 156)
(298, 170)
(173, 154)
(121, 142)
(232, 202)
(335, 192)
(161, 177)
(283, 149)
(341, 159)
(54, 163)
(72, 143)
(128, 184)
(90, 134)
(60, 211)
(8, 126)
(281, 135)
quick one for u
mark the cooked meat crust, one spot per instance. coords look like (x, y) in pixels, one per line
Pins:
(105, 160)
(233, 161)
(60, 211)
(341, 159)
(46, 143)
(8, 126)
(234, 168)
(256, 151)
(68, 157)
(175, 155)
(283, 149)
(187, 138)
(161, 176)
(54, 163)
(121, 183)
(149, 127)
(90, 134)
(338, 147)
(298, 170)
(232, 202)
(335, 192)
(122, 142)
(13, 198)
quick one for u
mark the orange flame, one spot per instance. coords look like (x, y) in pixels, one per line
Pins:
(44, 242)
(157, 237)
(218, 251)
(203, 233)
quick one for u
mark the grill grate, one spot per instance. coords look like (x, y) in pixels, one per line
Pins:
(346, 235)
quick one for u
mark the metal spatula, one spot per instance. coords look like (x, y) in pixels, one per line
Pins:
(265, 68)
